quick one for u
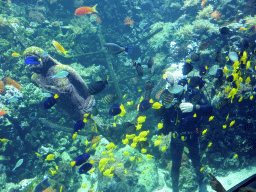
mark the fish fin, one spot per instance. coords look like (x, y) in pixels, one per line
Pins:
(65, 52)
(94, 8)
(119, 52)
(127, 49)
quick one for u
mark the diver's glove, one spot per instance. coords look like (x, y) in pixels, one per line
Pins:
(186, 107)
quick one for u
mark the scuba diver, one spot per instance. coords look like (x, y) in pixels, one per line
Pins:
(182, 116)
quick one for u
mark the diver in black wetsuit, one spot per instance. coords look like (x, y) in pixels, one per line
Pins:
(180, 119)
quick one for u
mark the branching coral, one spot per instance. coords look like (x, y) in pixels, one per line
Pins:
(185, 31)
(203, 25)
(216, 15)
(190, 3)
(205, 13)
(250, 21)
(36, 16)
(80, 24)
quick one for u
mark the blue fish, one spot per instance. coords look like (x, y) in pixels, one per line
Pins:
(42, 186)
(82, 159)
(144, 105)
(79, 125)
(202, 70)
(114, 110)
(32, 60)
(49, 103)
(183, 82)
(85, 168)
(219, 74)
(201, 84)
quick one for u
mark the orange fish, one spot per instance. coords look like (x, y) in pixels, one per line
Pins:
(2, 112)
(86, 10)
(242, 29)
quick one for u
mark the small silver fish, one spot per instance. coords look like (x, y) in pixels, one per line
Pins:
(176, 89)
(213, 70)
(233, 56)
(45, 53)
(60, 74)
(47, 94)
(18, 164)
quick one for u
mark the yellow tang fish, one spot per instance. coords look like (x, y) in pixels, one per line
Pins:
(211, 118)
(203, 133)
(227, 117)
(163, 149)
(59, 47)
(160, 125)
(248, 64)
(149, 156)
(232, 123)
(188, 60)
(15, 54)
(141, 119)
(74, 136)
(157, 105)
(248, 80)
(225, 70)
(49, 157)
(38, 154)
(138, 127)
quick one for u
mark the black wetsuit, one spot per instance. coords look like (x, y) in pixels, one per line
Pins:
(185, 132)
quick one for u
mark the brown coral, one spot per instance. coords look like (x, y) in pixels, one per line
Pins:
(128, 21)
(13, 83)
(36, 16)
(1, 87)
(216, 15)
(95, 139)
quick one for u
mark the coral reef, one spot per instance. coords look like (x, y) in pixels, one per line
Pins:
(250, 21)
(190, 3)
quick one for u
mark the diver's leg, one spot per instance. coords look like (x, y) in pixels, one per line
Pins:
(176, 148)
(193, 146)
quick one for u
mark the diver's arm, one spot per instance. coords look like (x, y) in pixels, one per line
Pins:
(203, 106)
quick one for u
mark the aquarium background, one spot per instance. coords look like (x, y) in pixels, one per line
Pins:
(38, 144)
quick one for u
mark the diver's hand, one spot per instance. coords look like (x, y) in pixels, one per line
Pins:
(216, 185)
(186, 107)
